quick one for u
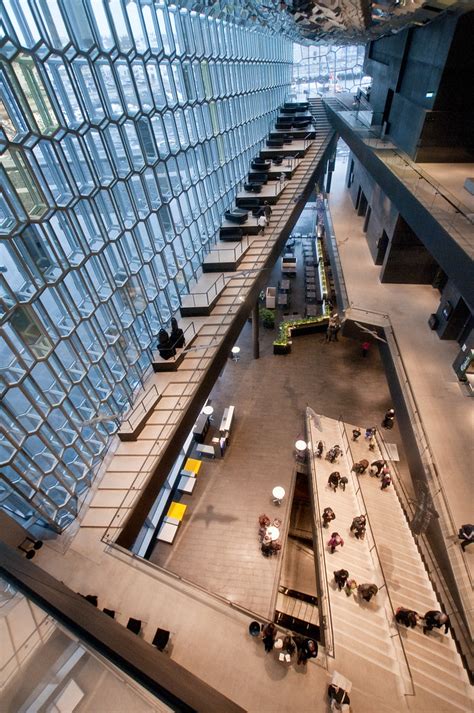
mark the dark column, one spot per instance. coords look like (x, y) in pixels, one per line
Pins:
(255, 331)
(406, 259)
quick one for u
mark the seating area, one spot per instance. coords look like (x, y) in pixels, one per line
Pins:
(161, 637)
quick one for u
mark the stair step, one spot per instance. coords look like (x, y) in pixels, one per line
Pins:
(439, 688)
(365, 651)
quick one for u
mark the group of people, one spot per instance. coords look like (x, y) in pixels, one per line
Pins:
(263, 216)
(349, 584)
(305, 648)
(369, 435)
(333, 453)
(268, 545)
(336, 479)
(433, 619)
(169, 343)
(378, 468)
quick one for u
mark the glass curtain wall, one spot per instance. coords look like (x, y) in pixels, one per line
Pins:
(328, 69)
(126, 126)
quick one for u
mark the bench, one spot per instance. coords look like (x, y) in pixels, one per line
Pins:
(227, 418)
(236, 215)
(205, 450)
(253, 187)
(249, 203)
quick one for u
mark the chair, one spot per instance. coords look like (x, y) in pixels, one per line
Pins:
(236, 216)
(135, 625)
(91, 598)
(109, 612)
(161, 639)
(176, 510)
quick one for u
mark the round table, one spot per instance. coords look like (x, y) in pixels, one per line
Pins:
(273, 533)
(278, 493)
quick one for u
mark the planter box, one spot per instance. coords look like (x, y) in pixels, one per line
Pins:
(282, 348)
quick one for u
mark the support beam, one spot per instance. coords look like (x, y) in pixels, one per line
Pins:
(255, 331)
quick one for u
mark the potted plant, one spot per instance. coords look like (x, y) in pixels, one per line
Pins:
(268, 317)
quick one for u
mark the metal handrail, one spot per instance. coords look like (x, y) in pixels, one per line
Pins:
(139, 408)
(330, 233)
(438, 187)
(370, 532)
(155, 570)
(210, 294)
(324, 604)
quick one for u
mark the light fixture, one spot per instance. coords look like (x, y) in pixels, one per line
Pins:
(301, 446)
(235, 353)
(208, 410)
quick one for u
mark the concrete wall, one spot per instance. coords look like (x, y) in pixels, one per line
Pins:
(429, 71)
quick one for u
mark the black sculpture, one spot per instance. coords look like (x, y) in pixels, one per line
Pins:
(177, 335)
(165, 345)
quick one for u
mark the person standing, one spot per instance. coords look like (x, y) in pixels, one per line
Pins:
(356, 433)
(389, 419)
(341, 576)
(379, 465)
(435, 619)
(268, 636)
(333, 480)
(177, 335)
(267, 211)
(367, 591)
(222, 444)
(407, 617)
(328, 516)
(342, 483)
(335, 541)
(386, 481)
(365, 348)
(307, 650)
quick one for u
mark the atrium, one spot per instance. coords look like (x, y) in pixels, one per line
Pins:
(236, 273)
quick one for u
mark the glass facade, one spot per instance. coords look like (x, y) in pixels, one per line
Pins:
(126, 126)
(328, 69)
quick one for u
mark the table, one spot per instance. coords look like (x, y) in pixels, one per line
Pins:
(285, 285)
(311, 311)
(311, 271)
(273, 533)
(310, 281)
(310, 295)
(283, 299)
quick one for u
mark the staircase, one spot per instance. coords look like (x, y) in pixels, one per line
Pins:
(358, 627)
(438, 674)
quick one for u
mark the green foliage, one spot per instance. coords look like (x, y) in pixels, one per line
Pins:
(268, 317)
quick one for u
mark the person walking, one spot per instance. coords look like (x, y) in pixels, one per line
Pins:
(407, 617)
(356, 433)
(365, 348)
(267, 211)
(319, 449)
(466, 535)
(269, 636)
(335, 541)
(328, 516)
(342, 483)
(333, 480)
(351, 586)
(358, 526)
(435, 619)
(341, 576)
(389, 419)
(360, 467)
(367, 591)
(262, 223)
(386, 481)
(378, 465)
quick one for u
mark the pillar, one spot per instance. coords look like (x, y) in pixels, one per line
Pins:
(255, 331)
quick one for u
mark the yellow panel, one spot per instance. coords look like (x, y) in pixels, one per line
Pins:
(177, 510)
(193, 465)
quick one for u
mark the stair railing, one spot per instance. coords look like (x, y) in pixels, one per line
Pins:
(405, 672)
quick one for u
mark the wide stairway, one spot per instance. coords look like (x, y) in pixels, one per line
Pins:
(433, 659)
(425, 668)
